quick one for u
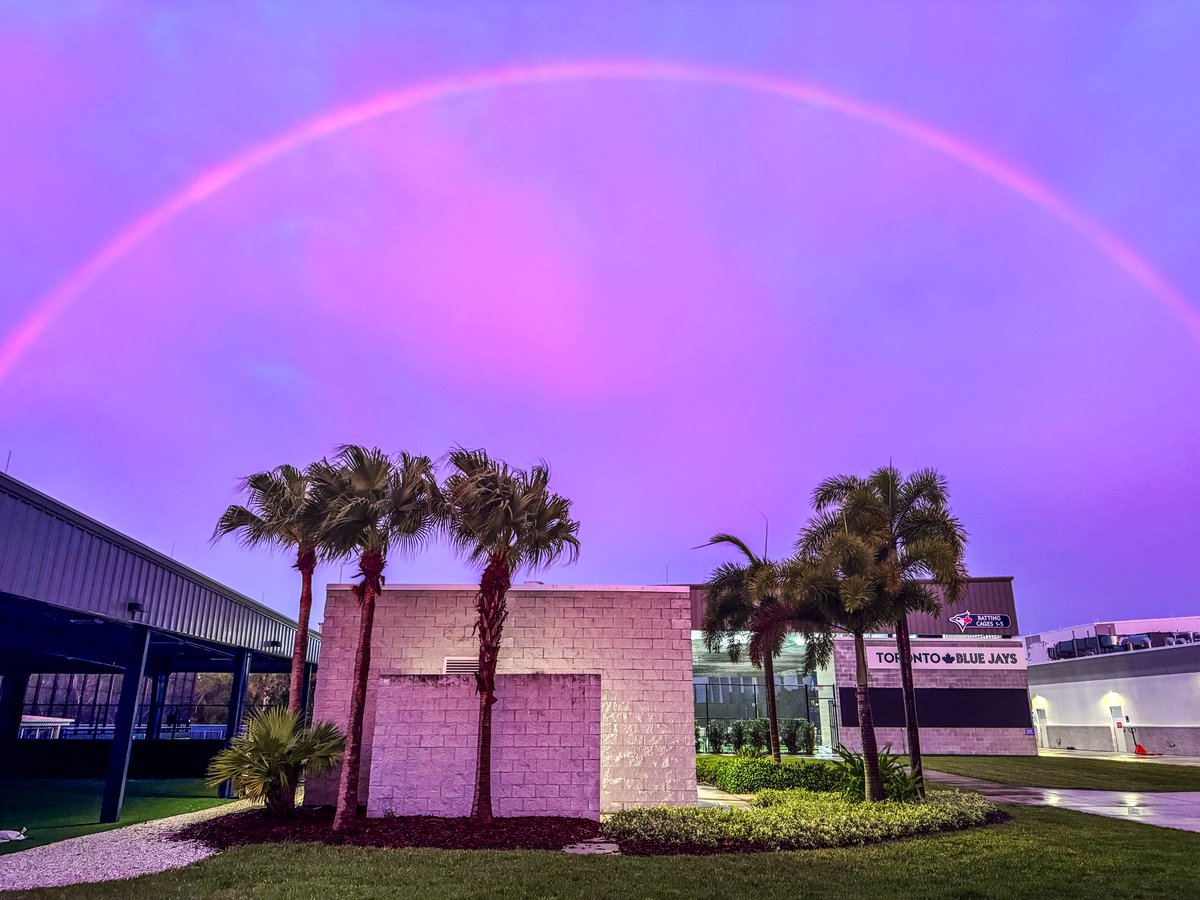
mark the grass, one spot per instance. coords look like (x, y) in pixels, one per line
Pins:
(1040, 853)
(55, 809)
(1064, 772)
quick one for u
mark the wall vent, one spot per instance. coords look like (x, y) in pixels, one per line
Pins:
(460, 665)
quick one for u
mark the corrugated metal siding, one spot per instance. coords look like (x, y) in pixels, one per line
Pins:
(982, 595)
(51, 553)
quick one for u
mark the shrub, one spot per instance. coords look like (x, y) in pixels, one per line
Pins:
(795, 820)
(808, 736)
(758, 735)
(898, 783)
(737, 735)
(715, 733)
(742, 775)
(789, 734)
(266, 764)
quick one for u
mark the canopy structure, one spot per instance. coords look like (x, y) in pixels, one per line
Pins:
(79, 597)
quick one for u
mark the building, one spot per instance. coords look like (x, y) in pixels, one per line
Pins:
(1111, 686)
(102, 641)
(562, 745)
(968, 669)
(601, 689)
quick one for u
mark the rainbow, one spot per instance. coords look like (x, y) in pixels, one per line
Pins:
(216, 179)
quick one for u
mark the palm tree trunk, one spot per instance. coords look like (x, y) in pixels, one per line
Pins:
(904, 648)
(772, 710)
(866, 724)
(347, 799)
(306, 562)
(492, 608)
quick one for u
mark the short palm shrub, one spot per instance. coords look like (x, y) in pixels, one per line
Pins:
(745, 775)
(898, 783)
(265, 764)
(715, 734)
(737, 735)
(758, 735)
(797, 820)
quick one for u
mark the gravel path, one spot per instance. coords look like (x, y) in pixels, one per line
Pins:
(109, 855)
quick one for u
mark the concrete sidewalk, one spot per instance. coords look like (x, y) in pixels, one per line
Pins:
(1180, 810)
(1113, 756)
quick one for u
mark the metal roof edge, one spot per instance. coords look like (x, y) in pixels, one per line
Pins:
(48, 504)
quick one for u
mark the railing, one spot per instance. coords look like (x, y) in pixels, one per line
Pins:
(186, 721)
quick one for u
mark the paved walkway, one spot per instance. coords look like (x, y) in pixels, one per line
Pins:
(714, 796)
(125, 852)
(1179, 810)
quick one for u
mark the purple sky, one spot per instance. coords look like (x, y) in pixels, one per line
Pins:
(694, 300)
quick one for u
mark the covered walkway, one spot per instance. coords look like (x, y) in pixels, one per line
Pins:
(78, 598)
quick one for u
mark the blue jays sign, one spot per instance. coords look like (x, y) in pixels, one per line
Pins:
(965, 620)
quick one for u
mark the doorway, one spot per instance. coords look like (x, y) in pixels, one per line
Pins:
(1117, 727)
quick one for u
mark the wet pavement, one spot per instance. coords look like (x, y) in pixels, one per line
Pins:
(1121, 757)
(1180, 810)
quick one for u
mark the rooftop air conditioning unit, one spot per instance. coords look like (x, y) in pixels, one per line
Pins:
(460, 665)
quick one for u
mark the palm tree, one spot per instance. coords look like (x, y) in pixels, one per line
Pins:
(504, 519)
(280, 511)
(373, 503)
(919, 544)
(730, 603)
(267, 762)
(835, 590)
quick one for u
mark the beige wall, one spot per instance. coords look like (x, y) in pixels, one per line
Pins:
(637, 639)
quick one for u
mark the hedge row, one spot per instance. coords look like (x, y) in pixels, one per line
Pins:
(795, 820)
(745, 775)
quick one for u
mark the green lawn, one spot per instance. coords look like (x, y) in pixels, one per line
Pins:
(1040, 853)
(1061, 772)
(54, 809)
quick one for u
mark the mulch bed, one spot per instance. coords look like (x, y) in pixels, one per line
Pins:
(316, 824)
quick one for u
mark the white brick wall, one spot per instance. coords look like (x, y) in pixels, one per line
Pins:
(545, 746)
(637, 640)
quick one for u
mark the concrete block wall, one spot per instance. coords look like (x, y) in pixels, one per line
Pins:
(1169, 740)
(545, 746)
(1081, 737)
(981, 741)
(637, 639)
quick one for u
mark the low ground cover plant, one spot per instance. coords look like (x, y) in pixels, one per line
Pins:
(745, 775)
(793, 820)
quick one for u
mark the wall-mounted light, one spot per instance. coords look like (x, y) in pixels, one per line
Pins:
(272, 645)
(134, 608)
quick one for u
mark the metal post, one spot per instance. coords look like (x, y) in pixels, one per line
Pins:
(306, 686)
(122, 745)
(12, 704)
(237, 708)
(158, 699)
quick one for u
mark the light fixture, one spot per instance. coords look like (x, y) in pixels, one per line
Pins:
(134, 608)
(272, 645)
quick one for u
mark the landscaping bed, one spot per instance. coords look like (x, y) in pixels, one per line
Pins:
(792, 820)
(316, 824)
